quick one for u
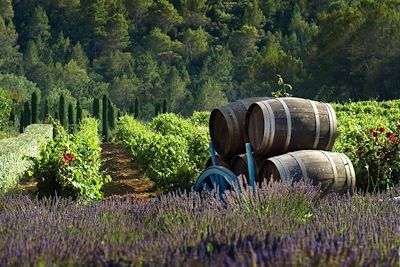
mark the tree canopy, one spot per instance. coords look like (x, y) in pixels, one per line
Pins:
(196, 55)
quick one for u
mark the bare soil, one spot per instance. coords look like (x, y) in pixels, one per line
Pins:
(128, 181)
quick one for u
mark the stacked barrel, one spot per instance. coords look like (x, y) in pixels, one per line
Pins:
(291, 139)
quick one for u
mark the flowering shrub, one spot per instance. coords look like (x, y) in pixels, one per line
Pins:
(368, 135)
(283, 225)
(69, 166)
(15, 153)
(379, 152)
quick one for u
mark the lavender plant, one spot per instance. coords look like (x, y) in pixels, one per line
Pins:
(282, 225)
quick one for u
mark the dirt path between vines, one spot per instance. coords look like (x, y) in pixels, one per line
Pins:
(127, 179)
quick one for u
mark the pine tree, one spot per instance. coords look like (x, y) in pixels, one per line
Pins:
(96, 108)
(111, 115)
(71, 117)
(10, 57)
(137, 107)
(35, 107)
(27, 114)
(46, 110)
(78, 112)
(106, 127)
(62, 112)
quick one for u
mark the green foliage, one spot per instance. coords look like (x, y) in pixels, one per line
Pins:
(171, 150)
(71, 117)
(200, 118)
(111, 115)
(157, 109)
(21, 121)
(62, 112)
(368, 134)
(96, 108)
(198, 54)
(19, 87)
(137, 108)
(78, 112)
(69, 165)
(27, 115)
(11, 119)
(10, 57)
(46, 110)
(15, 151)
(105, 121)
(35, 107)
(5, 108)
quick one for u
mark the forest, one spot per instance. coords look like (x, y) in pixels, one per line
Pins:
(197, 54)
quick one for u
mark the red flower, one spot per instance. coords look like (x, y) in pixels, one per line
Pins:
(372, 130)
(68, 158)
(382, 130)
(392, 138)
(375, 134)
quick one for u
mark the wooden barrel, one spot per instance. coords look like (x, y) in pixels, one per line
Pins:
(280, 125)
(220, 162)
(227, 127)
(333, 170)
(239, 166)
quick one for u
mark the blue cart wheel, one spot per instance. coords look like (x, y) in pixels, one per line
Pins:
(216, 177)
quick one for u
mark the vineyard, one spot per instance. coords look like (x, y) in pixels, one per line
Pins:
(280, 224)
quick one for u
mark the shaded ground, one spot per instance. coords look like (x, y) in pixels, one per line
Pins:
(127, 179)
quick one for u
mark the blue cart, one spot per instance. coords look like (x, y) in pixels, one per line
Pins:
(221, 178)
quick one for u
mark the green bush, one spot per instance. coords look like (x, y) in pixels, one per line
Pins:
(200, 118)
(5, 109)
(15, 153)
(69, 166)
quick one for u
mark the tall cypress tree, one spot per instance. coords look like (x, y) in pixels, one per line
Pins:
(96, 108)
(111, 115)
(131, 109)
(78, 112)
(21, 122)
(46, 110)
(164, 106)
(157, 109)
(71, 118)
(136, 107)
(106, 127)
(27, 114)
(62, 112)
(35, 107)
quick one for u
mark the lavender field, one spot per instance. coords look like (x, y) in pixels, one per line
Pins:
(281, 226)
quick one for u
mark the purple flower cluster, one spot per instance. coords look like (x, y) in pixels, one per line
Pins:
(278, 225)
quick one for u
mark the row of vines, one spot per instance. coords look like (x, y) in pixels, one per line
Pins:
(172, 150)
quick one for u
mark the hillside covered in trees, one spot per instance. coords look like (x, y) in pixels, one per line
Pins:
(197, 54)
